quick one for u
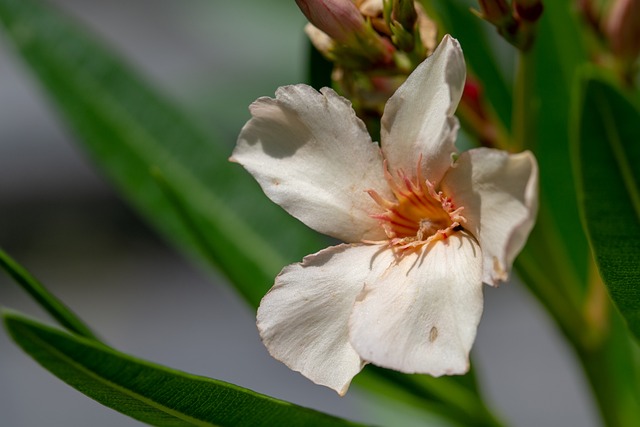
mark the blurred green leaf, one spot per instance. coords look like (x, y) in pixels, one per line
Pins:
(614, 374)
(458, 21)
(454, 398)
(47, 301)
(151, 393)
(607, 165)
(558, 253)
(128, 129)
(558, 53)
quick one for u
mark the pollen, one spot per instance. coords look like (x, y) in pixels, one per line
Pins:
(418, 215)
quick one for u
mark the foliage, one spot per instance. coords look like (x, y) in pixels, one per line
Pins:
(581, 260)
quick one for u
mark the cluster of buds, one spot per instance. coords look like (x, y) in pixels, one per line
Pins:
(373, 44)
(515, 21)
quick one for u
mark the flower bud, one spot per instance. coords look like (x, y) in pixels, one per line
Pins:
(344, 35)
(496, 12)
(590, 14)
(372, 54)
(401, 17)
(623, 28)
(340, 19)
(516, 22)
(528, 10)
(404, 13)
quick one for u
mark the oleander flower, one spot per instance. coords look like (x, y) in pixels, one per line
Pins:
(423, 226)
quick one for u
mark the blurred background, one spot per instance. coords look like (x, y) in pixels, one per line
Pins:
(60, 218)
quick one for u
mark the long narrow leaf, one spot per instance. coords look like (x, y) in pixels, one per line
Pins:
(607, 165)
(129, 129)
(151, 393)
(558, 231)
(48, 301)
(450, 397)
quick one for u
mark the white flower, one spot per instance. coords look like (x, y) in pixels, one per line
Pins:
(422, 230)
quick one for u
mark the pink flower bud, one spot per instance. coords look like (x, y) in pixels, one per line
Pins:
(340, 19)
(528, 10)
(495, 11)
(623, 28)
(404, 12)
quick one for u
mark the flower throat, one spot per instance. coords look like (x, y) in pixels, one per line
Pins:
(419, 214)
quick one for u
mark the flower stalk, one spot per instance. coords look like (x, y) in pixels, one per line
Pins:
(524, 104)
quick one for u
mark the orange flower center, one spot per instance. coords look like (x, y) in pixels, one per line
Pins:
(418, 215)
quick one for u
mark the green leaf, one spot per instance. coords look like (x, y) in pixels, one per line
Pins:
(607, 167)
(557, 263)
(151, 393)
(558, 231)
(47, 301)
(129, 129)
(454, 398)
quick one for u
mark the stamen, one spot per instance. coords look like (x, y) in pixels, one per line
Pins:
(419, 214)
(380, 200)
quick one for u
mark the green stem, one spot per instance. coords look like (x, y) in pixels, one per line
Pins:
(612, 369)
(524, 103)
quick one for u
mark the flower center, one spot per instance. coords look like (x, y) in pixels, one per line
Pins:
(419, 214)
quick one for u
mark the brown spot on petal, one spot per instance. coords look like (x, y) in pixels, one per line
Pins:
(363, 293)
(433, 334)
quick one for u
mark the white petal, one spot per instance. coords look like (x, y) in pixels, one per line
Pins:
(313, 156)
(418, 119)
(371, 8)
(499, 193)
(303, 320)
(319, 39)
(421, 314)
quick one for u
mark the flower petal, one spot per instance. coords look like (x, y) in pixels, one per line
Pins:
(319, 39)
(418, 119)
(313, 156)
(422, 313)
(499, 193)
(303, 320)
